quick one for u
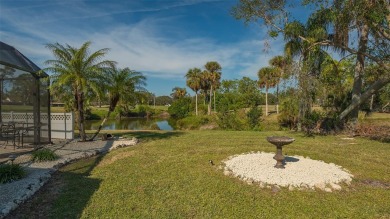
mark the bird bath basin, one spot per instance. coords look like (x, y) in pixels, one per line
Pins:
(279, 142)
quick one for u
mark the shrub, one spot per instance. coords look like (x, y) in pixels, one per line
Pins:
(310, 121)
(180, 108)
(230, 121)
(11, 172)
(288, 113)
(192, 122)
(44, 154)
(253, 116)
(144, 111)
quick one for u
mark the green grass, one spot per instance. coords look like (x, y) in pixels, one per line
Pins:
(168, 176)
(44, 154)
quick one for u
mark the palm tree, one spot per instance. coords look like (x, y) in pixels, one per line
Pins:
(178, 92)
(280, 63)
(79, 69)
(194, 82)
(310, 56)
(267, 78)
(214, 70)
(121, 84)
(205, 85)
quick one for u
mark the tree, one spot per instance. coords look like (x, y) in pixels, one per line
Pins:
(120, 85)
(178, 92)
(281, 63)
(205, 85)
(163, 100)
(335, 21)
(214, 76)
(267, 78)
(78, 69)
(194, 82)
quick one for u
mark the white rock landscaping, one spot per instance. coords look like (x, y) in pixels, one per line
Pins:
(299, 172)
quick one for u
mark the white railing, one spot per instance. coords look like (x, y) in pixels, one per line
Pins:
(62, 124)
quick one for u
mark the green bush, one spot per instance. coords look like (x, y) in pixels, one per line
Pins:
(310, 121)
(180, 108)
(288, 116)
(254, 116)
(230, 121)
(144, 111)
(11, 172)
(192, 122)
(44, 154)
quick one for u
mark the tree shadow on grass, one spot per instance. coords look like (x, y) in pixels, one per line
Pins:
(153, 135)
(77, 190)
(67, 193)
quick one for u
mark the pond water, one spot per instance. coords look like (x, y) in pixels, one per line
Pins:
(129, 124)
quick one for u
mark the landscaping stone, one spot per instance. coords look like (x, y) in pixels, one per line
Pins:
(300, 172)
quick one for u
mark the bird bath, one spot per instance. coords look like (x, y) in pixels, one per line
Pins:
(279, 142)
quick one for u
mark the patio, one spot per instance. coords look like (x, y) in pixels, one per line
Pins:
(24, 102)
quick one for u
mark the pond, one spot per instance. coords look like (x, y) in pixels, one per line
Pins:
(130, 124)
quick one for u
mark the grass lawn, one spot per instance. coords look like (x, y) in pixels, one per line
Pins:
(168, 175)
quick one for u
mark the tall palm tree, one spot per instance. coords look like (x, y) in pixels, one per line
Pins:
(194, 82)
(205, 85)
(79, 69)
(121, 84)
(214, 76)
(268, 77)
(280, 63)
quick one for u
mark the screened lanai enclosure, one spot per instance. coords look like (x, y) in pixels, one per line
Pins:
(24, 100)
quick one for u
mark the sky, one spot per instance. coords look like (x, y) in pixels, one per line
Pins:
(163, 39)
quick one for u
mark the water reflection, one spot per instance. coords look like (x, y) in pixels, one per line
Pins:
(130, 124)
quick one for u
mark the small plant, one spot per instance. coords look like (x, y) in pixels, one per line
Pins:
(44, 154)
(11, 172)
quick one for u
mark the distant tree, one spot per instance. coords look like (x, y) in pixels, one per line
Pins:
(79, 69)
(268, 77)
(194, 80)
(249, 92)
(163, 100)
(205, 86)
(214, 76)
(281, 63)
(178, 92)
(229, 86)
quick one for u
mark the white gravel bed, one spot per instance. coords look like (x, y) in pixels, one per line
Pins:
(299, 172)
(38, 173)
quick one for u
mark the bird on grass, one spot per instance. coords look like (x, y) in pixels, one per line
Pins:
(211, 162)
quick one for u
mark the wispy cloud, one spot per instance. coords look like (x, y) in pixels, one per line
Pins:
(145, 45)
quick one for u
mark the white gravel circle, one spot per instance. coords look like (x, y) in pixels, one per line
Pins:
(299, 171)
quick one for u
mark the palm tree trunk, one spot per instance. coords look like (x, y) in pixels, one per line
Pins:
(215, 110)
(277, 99)
(266, 101)
(209, 106)
(80, 105)
(100, 126)
(196, 102)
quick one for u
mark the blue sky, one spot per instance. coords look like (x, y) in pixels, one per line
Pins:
(162, 39)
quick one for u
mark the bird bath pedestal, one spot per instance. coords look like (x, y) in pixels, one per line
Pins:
(279, 142)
